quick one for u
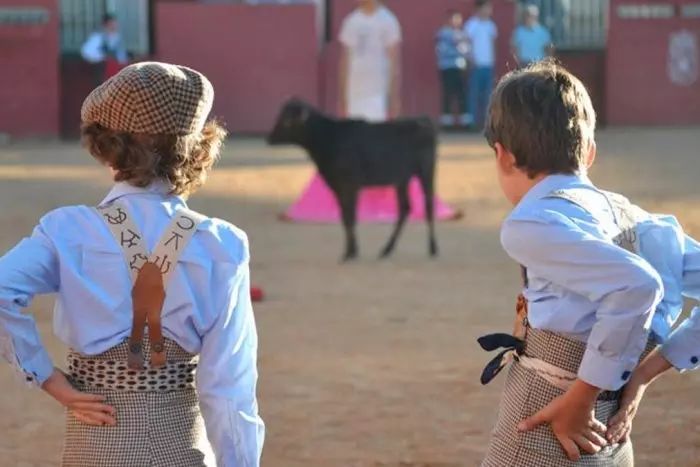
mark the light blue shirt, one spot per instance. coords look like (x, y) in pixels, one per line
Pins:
(531, 43)
(585, 287)
(207, 308)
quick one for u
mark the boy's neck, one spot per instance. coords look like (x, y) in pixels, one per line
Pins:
(528, 184)
(369, 8)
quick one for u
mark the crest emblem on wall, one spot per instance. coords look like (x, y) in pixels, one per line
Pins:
(683, 58)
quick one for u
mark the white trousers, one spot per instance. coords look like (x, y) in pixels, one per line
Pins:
(372, 108)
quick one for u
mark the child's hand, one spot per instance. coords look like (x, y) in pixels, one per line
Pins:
(87, 408)
(620, 425)
(651, 368)
(572, 418)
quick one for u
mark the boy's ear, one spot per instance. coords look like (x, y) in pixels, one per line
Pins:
(505, 159)
(590, 157)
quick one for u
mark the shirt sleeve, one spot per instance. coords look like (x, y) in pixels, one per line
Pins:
(29, 269)
(624, 288)
(227, 377)
(121, 53)
(547, 36)
(515, 38)
(682, 349)
(392, 32)
(468, 29)
(91, 50)
(347, 32)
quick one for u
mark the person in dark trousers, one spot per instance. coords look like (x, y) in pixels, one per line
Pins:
(451, 49)
(104, 50)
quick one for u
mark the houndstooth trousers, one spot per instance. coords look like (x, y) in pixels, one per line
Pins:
(526, 393)
(157, 413)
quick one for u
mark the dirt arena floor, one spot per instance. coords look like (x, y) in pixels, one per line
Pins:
(373, 363)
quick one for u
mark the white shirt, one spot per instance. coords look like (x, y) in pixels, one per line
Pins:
(368, 39)
(482, 34)
(93, 50)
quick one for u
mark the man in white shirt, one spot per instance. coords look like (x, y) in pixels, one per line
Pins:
(482, 34)
(104, 46)
(370, 63)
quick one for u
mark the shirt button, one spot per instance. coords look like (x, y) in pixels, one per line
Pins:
(694, 360)
(626, 375)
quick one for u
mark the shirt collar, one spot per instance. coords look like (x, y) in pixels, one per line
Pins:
(551, 183)
(121, 189)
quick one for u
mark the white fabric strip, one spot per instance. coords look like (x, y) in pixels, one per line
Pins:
(557, 377)
(169, 248)
(127, 235)
(171, 245)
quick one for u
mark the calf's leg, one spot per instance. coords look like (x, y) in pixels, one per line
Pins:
(427, 180)
(347, 200)
(404, 209)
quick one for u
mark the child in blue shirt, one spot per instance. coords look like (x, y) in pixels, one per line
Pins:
(595, 271)
(451, 49)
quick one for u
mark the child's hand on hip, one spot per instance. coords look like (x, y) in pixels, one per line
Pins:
(87, 408)
(572, 418)
(620, 425)
(652, 367)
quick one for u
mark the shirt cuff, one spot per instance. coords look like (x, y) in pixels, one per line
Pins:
(38, 370)
(682, 349)
(605, 373)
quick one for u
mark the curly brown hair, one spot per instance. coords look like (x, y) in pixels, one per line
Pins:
(184, 161)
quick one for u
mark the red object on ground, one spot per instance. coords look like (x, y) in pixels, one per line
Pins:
(112, 67)
(256, 294)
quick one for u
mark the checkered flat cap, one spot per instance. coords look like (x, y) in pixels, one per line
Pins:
(153, 98)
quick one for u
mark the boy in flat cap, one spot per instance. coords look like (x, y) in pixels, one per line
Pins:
(153, 298)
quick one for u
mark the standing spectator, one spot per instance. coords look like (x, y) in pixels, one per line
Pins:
(482, 33)
(531, 41)
(370, 63)
(451, 48)
(105, 50)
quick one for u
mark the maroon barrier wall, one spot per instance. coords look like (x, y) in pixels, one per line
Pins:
(256, 56)
(29, 81)
(639, 90)
(420, 20)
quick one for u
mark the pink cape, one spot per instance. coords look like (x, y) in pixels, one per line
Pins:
(318, 205)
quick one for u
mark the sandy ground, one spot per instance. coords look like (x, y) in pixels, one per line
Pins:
(368, 364)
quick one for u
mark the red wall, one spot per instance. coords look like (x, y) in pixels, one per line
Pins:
(29, 83)
(638, 89)
(420, 21)
(255, 56)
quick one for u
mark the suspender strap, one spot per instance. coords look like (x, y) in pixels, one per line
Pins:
(623, 212)
(150, 274)
(166, 255)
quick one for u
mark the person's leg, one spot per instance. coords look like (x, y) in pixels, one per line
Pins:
(461, 93)
(485, 87)
(479, 86)
(446, 85)
(98, 73)
(474, 93)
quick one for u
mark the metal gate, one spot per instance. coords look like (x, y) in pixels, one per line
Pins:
(80, 18)
(573, 24)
